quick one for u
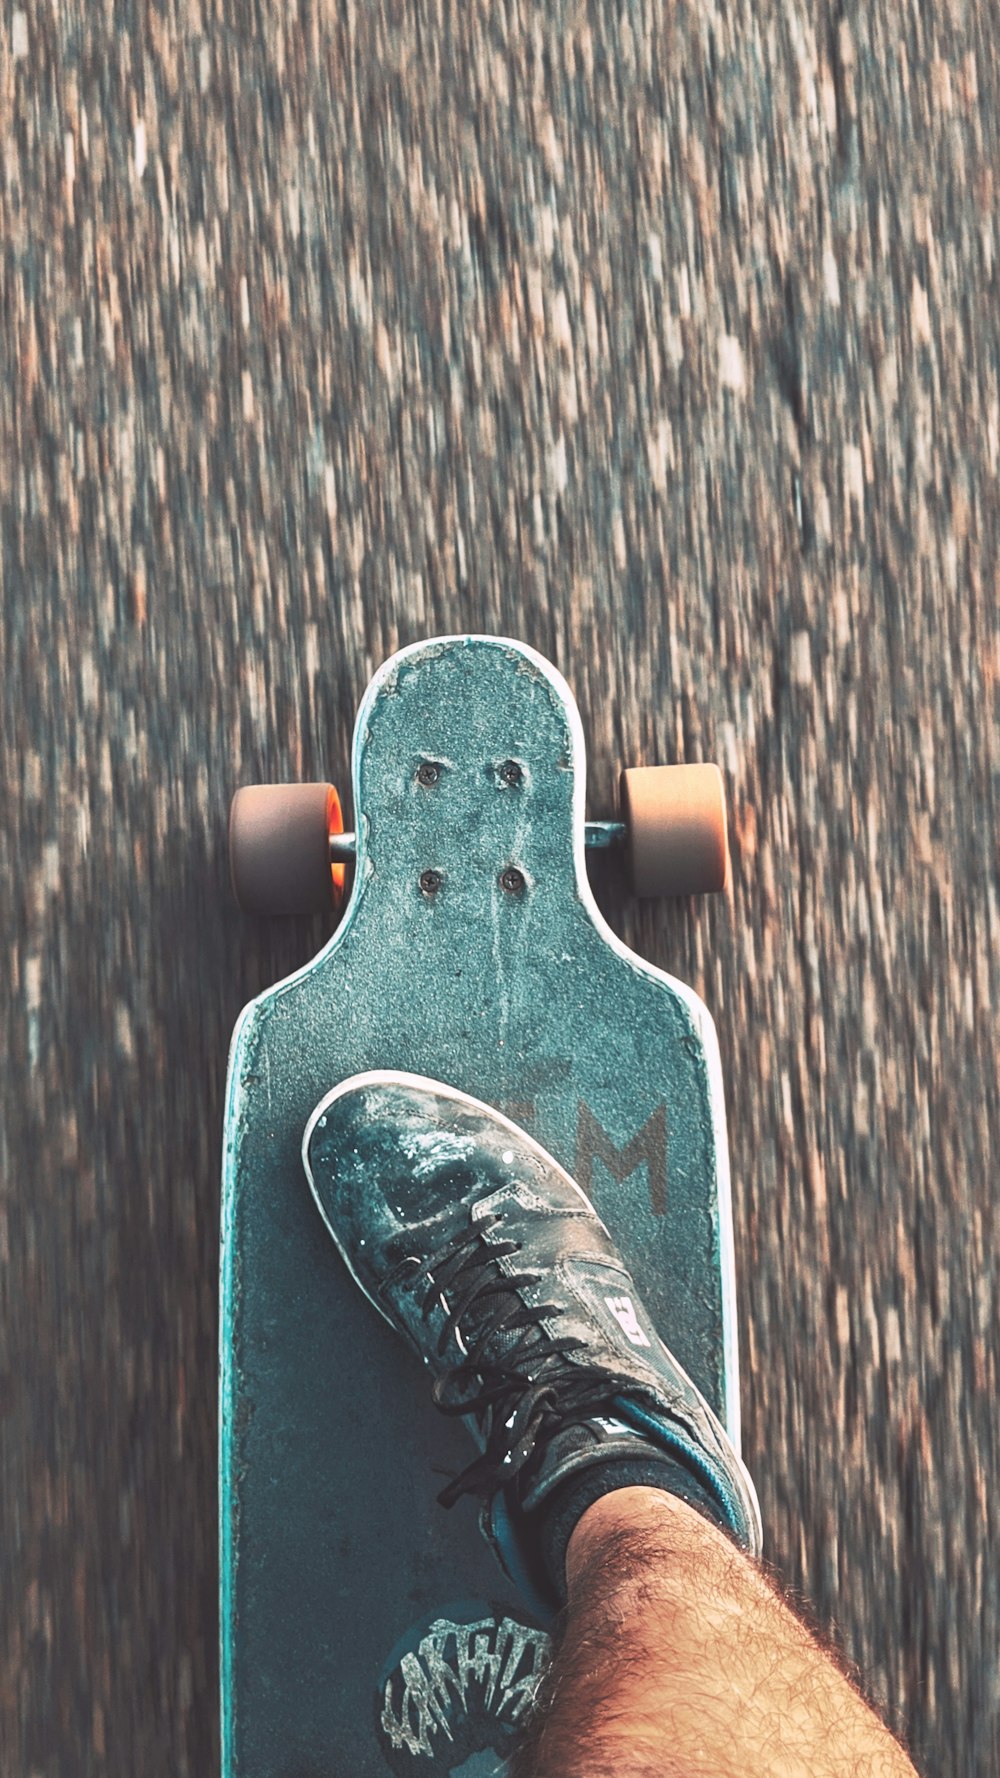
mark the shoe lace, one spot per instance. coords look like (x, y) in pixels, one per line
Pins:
(520, 1408)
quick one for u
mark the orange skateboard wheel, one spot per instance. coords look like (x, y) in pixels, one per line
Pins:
(279, 848)
(676, 841)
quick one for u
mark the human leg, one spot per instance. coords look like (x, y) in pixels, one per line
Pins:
(677, 1657)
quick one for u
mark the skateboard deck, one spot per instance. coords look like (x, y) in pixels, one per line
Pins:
(365, 1630)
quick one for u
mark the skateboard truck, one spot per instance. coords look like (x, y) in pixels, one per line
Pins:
(599, 836)
(288, 848)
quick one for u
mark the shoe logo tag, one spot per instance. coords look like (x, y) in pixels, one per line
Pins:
(623, 1310)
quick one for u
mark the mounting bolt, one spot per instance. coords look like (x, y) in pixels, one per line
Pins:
(428, 773)
(512, 880)
(430, 881)
(510, 772)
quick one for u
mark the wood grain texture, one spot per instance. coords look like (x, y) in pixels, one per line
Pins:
(668, 339)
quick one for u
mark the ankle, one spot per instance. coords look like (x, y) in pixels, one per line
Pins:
(642, 1469)
(645, 1512)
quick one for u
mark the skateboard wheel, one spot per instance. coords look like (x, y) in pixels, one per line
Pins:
(675, 817)
(279, 848)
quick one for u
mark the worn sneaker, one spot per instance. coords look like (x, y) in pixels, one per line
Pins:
(477, 1247)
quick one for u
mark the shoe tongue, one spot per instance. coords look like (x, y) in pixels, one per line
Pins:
(496, 1299)
(503, 1341)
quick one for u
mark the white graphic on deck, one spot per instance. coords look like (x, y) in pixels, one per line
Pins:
(623, 1310)
(487, 1668)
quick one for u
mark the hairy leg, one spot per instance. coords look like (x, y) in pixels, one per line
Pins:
(678, 1659)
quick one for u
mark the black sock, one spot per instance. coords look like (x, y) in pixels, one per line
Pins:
(561, 1511)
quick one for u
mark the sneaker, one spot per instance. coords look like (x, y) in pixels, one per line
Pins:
(489, 1260)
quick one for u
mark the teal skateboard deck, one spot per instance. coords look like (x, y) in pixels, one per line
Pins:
(364, 1630)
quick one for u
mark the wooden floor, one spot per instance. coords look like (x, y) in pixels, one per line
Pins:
(666, 338)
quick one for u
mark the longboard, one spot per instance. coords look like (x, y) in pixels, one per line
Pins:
(365, 1630)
